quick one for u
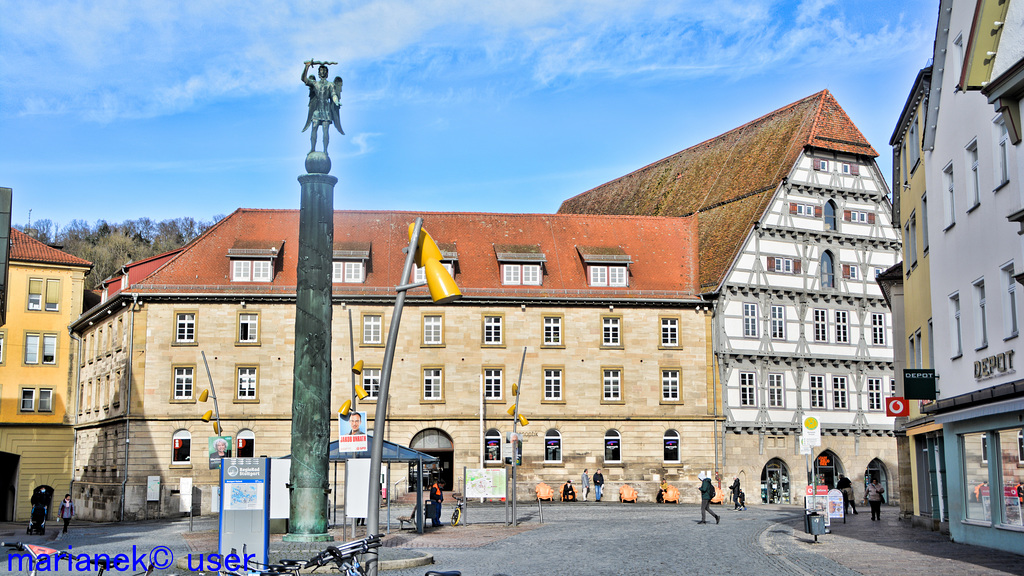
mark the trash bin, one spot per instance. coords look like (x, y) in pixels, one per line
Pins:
(814, 524)
(430, 509)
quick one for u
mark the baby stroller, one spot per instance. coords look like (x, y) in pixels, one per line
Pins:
(37, 524)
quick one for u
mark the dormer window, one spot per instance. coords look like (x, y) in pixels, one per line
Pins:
(351, 260)
(521, 264)
(606, 265)
(253, 261)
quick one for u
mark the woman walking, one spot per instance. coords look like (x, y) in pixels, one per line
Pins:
(66, 511)
(875, 493)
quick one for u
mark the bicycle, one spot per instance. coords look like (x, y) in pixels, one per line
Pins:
(36, 552)
(345, 558)
(459, 504)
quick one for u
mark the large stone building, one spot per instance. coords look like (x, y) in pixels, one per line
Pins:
(617, 373)
(794, 224)
(46, 289)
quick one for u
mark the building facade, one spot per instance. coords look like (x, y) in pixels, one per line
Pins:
(606, 308)
(45, 293)
(794, 225)
(972, 159)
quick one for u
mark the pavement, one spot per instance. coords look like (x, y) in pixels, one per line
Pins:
(606, 538)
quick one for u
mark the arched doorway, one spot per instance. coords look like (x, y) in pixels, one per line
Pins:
(439, 444)
(775, 482)
(827, 469)
(876, 469)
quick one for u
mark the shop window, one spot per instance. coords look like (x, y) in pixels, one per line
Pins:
(181, 443)
(492, 446)
(977, 493)
(245, 444)
(671, 446)
(1012, 476)
(553, 446)
(612, 446)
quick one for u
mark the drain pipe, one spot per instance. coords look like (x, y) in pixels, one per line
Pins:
(128, 399)
(76, 390)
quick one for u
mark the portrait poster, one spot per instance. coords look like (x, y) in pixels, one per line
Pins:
(219, 448)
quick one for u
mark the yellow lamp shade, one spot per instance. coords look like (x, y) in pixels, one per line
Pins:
(204, 395)
(346, 407)
(515, 389)
(216, 428)
(361, 392)
(426, 248)
(357, 368)
(522, 420)
(443, 288)
(511, 410)
(208, 415)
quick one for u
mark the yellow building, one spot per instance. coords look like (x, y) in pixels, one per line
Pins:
(46, 288)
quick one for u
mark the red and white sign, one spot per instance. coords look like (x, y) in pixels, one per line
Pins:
(897, 406)
(819, 490)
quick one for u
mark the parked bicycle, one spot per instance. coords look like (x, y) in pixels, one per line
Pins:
(345, 560)
(459, 504)
(39, 558)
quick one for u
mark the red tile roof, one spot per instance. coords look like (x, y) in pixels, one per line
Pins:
(729, 180)
(662, 252)
(25, 248)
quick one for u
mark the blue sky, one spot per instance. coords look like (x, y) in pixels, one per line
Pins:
(122, 109)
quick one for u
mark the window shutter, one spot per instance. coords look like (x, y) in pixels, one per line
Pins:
(796, 266)
(817, 211)
(771, 263)
(817, 164)
(846, 215)
(52, 291)
(792, 207)
(846, 270)
(855, 169)
(871, 217)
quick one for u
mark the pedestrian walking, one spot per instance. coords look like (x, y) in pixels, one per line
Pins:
(707, 492)
(66, 511)
(585, 484)
(735, 489)
(846, 487)
(598, 483)
(875, 494)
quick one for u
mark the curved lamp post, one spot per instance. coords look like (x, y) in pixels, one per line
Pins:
(424, 253)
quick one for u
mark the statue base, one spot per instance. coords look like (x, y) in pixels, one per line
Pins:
(318, 163)
(308, 538)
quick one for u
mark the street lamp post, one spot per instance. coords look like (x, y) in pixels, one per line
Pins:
(424, 253)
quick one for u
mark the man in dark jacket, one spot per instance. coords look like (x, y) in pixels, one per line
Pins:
(846, 487)
(598, 484)
(437, 497)
(706, 495)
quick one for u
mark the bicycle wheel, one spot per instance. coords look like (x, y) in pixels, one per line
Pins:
(456, 516)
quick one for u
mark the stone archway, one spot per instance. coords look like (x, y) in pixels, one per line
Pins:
(439, 444)
(775, 482)
(827, 468)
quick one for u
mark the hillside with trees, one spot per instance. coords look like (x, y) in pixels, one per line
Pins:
(112, 245)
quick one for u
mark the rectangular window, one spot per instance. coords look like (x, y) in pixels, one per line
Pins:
(670, 385)
(552, 330)
(839, 393)
(552, 384)
(492, 330)
(776, 391)
(598, 275)
(782, 265)
(248, 328)
(980, 319)
(49, 349)
(432, 330)
(947, 176)
(820, 325)
(817, 391)
(348, 271)
(183, 383)
(46, 400)
(1011, 475)
(778, 318)
(246, 383)
(877, 329)
(670, 332)
(32, 349)
(35, 294)
(610, 331)
(617, 276)
(241, 270)
(1002, 153)
(914, 144)
(28, 400)
(874, 394)
(747, 389)
(612, 385)
(432, 384)
(973, 183)
(749, 320)
(371, 382)
(185, 327)
(492, 383)
(931, 344)
(261, 271)
(924, 223)
(353, 272)
(910, 239)
(956, 337)
(978, 505)
(526, 274)
(2, 348)
(1009, 303)
(842, 327)
(52, 295)
(372, 329)
(531, 274)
